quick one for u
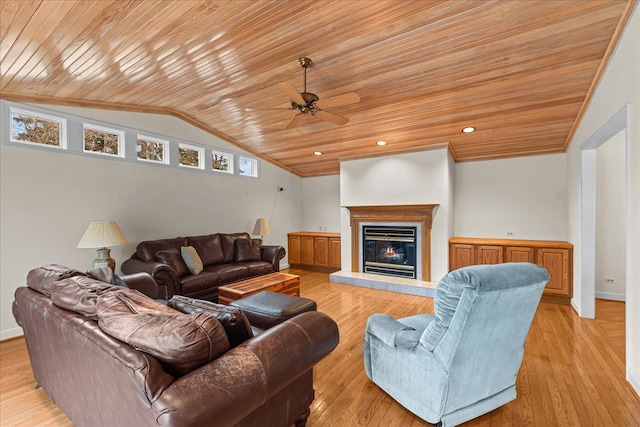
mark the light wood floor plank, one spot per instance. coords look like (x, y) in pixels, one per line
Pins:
(572, 374)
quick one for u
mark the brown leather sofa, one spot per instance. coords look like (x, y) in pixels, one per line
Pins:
(226, 258)
(98, 380)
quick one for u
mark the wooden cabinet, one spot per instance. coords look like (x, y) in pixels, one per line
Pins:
(319, 250)
(555, 256)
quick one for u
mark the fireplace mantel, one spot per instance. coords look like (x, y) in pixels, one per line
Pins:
(422, 214)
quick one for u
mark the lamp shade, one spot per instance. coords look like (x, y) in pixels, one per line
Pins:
(261, 228)
(101, 234)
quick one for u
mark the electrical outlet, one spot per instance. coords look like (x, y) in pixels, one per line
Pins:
(511, 233)
(609, 280)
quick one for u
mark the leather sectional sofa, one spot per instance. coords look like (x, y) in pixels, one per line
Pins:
(226, 258)
(111, 356)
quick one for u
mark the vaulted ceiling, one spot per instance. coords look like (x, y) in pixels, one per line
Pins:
(521, 72)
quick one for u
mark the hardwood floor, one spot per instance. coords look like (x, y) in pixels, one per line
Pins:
(572, 373)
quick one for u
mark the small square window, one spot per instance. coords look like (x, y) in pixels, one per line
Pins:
(150, 149)
(190, 156)
(222, 162)
(101, 140)
(247, 166)
(38, 129)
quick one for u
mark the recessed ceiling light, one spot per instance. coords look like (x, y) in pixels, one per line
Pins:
(381, 143)
(468, 129)
(317, 153)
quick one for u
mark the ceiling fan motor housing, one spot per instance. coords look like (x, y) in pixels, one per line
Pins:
(309, 98)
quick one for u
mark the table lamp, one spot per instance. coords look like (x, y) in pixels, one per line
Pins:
(261, 228)
(101, 234)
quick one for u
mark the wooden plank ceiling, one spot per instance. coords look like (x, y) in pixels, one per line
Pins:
(521, 72)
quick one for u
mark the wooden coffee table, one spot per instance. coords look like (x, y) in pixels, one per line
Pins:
(275, 282)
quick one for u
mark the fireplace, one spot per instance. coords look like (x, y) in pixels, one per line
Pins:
(389, 250)
(395, 216)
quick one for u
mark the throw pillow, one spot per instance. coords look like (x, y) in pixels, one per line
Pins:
(248, 249)
(191, 258)
(209, 248)
(234, 321)
(181, 342)
(173, 258)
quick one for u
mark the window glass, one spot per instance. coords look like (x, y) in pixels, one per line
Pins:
(33, 128)
(152, 149)
(103, 141)
(190, 156)
(221, 162)
(247, 166)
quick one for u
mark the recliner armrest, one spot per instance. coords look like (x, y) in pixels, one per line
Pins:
(235, 384)
(391, 332)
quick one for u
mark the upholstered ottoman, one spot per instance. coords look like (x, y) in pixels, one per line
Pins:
(267, 309)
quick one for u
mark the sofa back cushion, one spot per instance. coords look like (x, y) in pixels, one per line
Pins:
(148, 250)
(42, 278)
(234, 321)
(173, 258)
(79, 294)
(181, 342)
(209, 248)
(228, 246)
(247, 250)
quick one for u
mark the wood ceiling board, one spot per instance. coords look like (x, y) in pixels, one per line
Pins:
(422, 69)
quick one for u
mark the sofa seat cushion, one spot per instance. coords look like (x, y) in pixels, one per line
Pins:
(181, 342)
(229, 272)
(79, 294)
(235, 323)
(204, 280)
(257, 268)
(148, 250)
(209, 248)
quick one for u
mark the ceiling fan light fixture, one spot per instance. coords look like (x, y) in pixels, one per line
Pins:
(468, 129)
(381, 143)
(317, 153)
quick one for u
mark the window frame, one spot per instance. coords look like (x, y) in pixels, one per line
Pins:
(229, 156)
(99, 128)
(251, 160)
(200, 151)
(62, 131)
(165, 149)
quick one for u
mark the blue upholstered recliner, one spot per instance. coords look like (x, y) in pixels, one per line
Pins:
(462, 362)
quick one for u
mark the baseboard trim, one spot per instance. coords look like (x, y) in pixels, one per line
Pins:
(633, 381)
(611, 296)
(8, 334)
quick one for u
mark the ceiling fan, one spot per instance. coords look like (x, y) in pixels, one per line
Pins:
(309, 103)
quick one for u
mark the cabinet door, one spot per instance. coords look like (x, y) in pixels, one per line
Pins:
(306, 254)
(293, 251)
(519, 254)
(461, 255)
(334, 253)
(489, 254)
(556, 261)
(321, 251)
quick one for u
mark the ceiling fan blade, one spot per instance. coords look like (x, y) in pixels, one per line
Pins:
(292, 93)
(294, 121)
(334, 101)
(330, 117)
(269, 109)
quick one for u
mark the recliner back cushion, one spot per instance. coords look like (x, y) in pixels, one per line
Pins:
(148, 250)
(209, 248)
(228, 245)
(234, 321)
(181, 342)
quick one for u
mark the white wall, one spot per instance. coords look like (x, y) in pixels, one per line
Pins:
(321, 203)
(406, 179)
(525, 195)
(610, 218)
(619, 86)
(48, 199)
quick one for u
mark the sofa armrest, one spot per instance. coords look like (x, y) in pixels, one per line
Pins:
(143, 282)
(165, 277)
(234, 385)
(273, 255)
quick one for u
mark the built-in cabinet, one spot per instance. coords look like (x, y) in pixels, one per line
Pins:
(555, 256)
(319, 250)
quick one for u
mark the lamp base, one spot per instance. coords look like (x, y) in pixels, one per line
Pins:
(104, 259)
